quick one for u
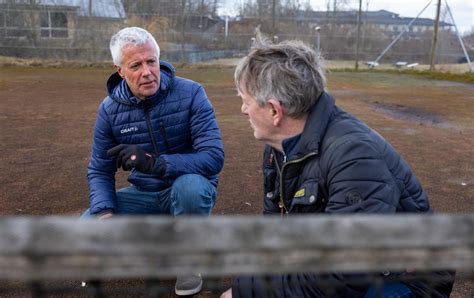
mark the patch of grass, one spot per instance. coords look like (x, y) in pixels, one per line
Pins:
(208, 75)
(447, 72)
(435, 75)
(464, 77)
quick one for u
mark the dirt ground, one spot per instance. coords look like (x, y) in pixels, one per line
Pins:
(47, 116)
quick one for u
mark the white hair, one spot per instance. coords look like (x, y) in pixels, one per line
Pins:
(130, 36)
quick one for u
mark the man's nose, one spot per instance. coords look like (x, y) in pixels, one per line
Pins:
(146, 70)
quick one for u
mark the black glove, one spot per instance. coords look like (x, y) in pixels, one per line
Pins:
(132, 156)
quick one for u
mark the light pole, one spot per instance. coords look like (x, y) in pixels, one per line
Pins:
(317, 29)
(226, 26)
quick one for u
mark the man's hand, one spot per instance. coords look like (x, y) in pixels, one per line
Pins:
(132, 156)
(106, 215)
(227, 294)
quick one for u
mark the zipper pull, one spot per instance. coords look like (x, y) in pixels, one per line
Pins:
(284, 158)
(280, 205)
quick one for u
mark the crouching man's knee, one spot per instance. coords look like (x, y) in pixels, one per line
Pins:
(192, 194)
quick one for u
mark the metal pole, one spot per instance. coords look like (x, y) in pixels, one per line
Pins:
(183, 30)
(401, 33)
(318, 43)
(359, 18)
(435, 37)
(273, 17)
(90, 8)
(201, 17)
(226, 26)
(460, 39)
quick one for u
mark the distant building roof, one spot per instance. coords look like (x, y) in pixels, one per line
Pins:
(374, 17)
(100, 8)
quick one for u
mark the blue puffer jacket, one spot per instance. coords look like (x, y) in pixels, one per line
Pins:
(177, 124)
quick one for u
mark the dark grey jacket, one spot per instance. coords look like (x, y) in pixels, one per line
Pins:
(338, 165)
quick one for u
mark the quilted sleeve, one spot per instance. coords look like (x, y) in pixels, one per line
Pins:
(101, 169)
(207, 158)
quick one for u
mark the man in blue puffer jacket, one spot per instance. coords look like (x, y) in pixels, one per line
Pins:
(162, 129)
(318, 159)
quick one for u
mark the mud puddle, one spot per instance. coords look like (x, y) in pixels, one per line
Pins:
(416, 115)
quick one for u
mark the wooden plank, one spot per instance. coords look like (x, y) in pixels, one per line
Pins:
(34, 248)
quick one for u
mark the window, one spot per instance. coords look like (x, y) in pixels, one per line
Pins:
(53, 24)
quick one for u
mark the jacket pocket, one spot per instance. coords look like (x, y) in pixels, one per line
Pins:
(271, 194)
(307, 199)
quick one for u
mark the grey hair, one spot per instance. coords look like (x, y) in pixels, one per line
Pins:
(290, 72)
(130, 36)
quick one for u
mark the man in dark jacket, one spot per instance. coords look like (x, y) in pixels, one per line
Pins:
(162, 129)
(318, 159)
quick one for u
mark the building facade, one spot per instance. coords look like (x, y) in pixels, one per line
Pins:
(78, 29)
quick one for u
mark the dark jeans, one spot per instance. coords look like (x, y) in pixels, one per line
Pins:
(189, 194)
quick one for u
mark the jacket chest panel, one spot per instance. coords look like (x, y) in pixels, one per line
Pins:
(303, 186)
(167, 126)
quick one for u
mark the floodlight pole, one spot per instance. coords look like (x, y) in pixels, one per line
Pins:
(401, 33)
(226, 27)
(318, 39)
(460, 39)
(359, 20)
(435, 37)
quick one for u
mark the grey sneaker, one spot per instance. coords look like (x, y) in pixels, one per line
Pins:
(188, 285)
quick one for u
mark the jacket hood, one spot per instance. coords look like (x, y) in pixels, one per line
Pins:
(316, 124)
(119, 91)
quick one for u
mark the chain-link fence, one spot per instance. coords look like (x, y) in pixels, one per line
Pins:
(192, 31)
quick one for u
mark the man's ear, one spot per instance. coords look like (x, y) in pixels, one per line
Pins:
(276, 110)
(120, 72)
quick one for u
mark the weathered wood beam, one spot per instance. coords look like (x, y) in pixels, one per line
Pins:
(35, 248)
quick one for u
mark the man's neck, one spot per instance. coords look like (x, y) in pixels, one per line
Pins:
(289, 127)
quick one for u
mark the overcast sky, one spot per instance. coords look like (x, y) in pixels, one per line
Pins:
(462, 10)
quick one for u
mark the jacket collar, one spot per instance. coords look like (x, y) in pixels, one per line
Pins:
(119, 91)
(316, 125)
